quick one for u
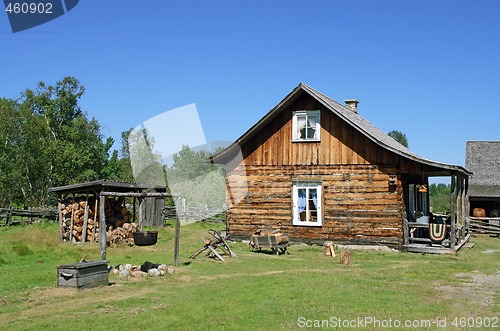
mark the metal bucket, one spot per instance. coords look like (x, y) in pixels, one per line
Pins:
(145, 238)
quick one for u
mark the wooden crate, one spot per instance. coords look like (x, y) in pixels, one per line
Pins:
(83, 274)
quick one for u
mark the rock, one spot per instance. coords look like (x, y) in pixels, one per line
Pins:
(153, 272)
(124, 273)
(139, 274)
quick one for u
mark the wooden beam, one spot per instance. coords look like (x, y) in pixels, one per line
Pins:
(85, 219)
(453, 213)
(95, 219)
(102, 227)
(61, 219)
(177, 236)
(405, 232)
(139, 195)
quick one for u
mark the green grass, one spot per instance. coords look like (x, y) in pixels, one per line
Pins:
(252, 291)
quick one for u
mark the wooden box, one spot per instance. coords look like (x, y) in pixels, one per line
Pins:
(83, 274)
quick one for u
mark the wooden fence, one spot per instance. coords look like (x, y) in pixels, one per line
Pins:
(487, 225)
(198, 214)
(11, 216)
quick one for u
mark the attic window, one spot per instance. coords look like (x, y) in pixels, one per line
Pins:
(306, 125)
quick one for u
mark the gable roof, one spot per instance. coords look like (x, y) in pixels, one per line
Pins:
(483, 158)
(351, 117)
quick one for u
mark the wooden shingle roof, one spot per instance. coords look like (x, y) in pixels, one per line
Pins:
(483, 159)
(351, 117)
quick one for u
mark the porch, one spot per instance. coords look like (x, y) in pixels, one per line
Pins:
(425, 232)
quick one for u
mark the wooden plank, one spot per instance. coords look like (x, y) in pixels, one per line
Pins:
(324, 150)
(102, 226)
(96, 212)
(71, 225)
(177, 238)
(61, 220)
(85, 219)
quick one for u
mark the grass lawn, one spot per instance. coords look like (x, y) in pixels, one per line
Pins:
(252, 291)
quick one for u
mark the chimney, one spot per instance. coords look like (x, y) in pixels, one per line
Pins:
(352, 104)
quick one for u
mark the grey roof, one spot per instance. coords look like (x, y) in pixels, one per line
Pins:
(353, 118)
(483, 159)
(103, 185)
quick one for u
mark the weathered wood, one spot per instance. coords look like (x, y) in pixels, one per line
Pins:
(329, 249)
(71, 225)
(454, 207)
(60, 217)
(346, 258)
(85, 219)
(139, 195)
(177, 238)
(102, 226)
(95, 220)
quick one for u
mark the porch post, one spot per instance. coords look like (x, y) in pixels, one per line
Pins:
(467, 205)
(453, 212)
(406, 240)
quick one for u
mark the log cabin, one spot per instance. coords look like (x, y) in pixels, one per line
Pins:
(320, 172)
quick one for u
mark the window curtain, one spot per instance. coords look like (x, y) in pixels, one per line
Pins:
(301, 200)
(311, 127)
(301, 125)
(314, 197)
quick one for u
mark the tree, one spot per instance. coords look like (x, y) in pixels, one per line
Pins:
(198, 181)
(48, 141)
(399, 136)
(188, 164)
(145, 161)
(439, 197)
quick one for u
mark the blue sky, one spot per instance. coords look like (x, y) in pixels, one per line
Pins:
(428, 68)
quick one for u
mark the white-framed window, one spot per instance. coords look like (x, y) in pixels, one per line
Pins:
(306, 125)
(307, 203)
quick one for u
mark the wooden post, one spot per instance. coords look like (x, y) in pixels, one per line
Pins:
(453, 213)
(102, 227)
(9, 215)
(95, 218)
(71, 225)
(134, 216)
(142, 212)
(406, 232)
(346, 258)
(85, 219)
(177, 236)
(467, 205)
(61, 219)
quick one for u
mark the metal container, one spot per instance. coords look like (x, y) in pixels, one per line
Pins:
(145, 238)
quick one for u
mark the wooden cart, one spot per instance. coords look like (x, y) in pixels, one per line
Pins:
(275, 240)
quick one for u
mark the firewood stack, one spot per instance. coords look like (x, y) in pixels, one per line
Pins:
(121, 234)
(73, 222)
(80, 217)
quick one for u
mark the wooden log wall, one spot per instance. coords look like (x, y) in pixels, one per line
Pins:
(340, 143)
(357, 202)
